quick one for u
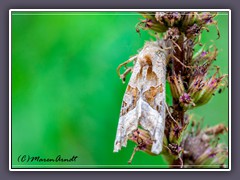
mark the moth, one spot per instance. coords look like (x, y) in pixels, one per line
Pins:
(144, 99)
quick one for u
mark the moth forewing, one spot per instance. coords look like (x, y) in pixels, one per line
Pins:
(144, 100)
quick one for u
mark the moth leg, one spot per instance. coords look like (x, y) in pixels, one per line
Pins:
(124, 64)
(134, 151)
(123, 76)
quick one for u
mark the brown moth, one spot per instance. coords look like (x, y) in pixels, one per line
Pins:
(144, 100)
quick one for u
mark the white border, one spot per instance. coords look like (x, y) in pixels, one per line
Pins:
(114, 10)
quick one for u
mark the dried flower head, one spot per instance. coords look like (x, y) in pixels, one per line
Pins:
(201, 147)
(168, 18)
(190, 23)
(202, 89)
(172, 34)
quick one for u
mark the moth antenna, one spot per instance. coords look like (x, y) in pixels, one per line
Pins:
(166, 48)
(123, 76)
(124, 64)
(134, 151)
(170, 114)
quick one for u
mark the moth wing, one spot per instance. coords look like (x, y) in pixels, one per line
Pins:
(154, 122)
(129, 116)
(126, 125)
(153, 99)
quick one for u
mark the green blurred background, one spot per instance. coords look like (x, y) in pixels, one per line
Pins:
(66, 95)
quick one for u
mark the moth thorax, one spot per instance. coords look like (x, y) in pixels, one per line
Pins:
(146, 60)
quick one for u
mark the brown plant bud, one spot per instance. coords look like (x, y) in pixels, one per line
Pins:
(215, 130)
(188, 19)
(196, 87)
(168, 18)
(150, 23)
(175, 133)
(176, 86)
(172, 34)
(201, 89)
(186, 101)
(193, 31)
(208, 89)
(143, 140)
(203, 59)
(205, 18)
(148, 15)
